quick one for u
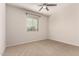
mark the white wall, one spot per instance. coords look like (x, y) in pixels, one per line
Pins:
(2, 28)
(17, 30)
(64, 24)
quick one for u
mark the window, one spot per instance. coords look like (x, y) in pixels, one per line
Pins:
(32, 24)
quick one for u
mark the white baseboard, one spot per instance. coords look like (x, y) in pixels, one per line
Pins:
(66, 42)
(23, 42)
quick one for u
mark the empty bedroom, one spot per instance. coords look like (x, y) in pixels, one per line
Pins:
(42, 29)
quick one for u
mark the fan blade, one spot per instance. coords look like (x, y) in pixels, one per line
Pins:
(47, 9)
(40, 8)
(51, 4)
(42, 4)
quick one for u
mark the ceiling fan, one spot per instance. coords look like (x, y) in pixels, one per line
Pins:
(46, 5)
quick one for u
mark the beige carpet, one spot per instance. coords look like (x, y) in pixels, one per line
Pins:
(42, 48)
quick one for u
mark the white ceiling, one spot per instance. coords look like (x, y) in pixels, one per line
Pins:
(35, 7)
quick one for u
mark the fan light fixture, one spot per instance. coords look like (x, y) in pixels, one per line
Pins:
(45, 6)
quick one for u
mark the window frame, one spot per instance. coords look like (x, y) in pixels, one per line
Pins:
(36, 18)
